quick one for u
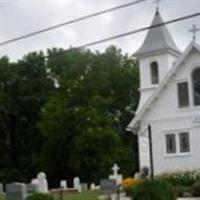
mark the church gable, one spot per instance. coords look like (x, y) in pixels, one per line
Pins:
(177, 97)
(164, 102)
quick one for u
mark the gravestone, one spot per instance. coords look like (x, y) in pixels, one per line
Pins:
(137, 175)
(16, 191)
(1, 188)
(34, 181)
(92, 186)
(108, 186)
(77, 184)
(31, 188)
(42, 183)
(84, 187)
(63, 184)
(115, 175)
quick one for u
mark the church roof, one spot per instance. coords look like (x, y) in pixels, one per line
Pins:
(133, 124)
(158, 39)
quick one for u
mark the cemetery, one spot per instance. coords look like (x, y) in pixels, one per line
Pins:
(182, 185)
(78, 124)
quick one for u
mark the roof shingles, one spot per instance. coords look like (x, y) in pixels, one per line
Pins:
(157, 39)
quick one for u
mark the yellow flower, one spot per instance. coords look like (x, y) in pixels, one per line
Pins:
(130, 182)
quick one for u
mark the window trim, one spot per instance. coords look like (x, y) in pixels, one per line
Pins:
(177, 92)
(152, 78)
(189, 143)
(178, 153)
(166, 144)
(192, 84)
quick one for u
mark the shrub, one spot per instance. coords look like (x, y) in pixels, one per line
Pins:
(181, 190)
(153, 190)
(129, 183)
(184, 178)
(196, 189)
(40, 196)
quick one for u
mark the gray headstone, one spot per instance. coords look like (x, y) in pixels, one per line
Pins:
(108, 186)
(84, 187)
(31, 188)
(16, 191)
(1, 188)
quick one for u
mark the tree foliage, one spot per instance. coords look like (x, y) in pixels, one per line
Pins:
(67, 115)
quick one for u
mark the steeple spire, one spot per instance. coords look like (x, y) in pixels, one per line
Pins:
(157, 2)
(158, 39)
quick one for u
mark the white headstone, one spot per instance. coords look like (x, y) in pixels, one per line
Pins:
(92, 186)
(42, 183)
(63, 184)
(34, 181)
(77, 184)
(115, 175)
(137, 175)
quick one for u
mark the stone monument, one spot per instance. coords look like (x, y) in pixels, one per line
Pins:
(1, 188)
(63, 184)
(42, 183)
(77, 184)
(16, 191)
(115, 175)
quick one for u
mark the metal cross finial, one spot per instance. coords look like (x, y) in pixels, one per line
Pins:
(157, 2)
(194, 30)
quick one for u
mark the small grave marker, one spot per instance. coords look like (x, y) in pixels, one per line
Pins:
(1, 188)
(63, 184)
(108, 186)
(16, 191)
(77, 184)
(31, 188)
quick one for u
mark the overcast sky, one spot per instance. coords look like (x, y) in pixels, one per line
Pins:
(18, 17)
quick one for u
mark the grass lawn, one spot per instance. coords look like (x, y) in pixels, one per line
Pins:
(2, 197)
(75, 196)
(81, 196)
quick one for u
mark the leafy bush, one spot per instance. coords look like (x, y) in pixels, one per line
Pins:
(40, 196)
(182, 178)
(129, 183)
(153, 190)
(196, 189)
(181, 190)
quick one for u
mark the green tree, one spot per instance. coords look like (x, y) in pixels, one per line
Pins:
(24, 89)
(85, 120)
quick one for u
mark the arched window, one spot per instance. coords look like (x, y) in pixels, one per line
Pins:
(154, 73)
(196, 85)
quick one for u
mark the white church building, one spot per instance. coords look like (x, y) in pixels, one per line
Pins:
(169, 106)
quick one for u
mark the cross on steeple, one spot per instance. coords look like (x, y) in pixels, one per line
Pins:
(157, 2)
(194, 30)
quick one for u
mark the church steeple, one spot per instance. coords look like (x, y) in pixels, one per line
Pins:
(156, 56)
(158, 40)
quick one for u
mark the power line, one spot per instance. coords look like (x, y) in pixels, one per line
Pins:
(129, 33)
(71, 22)
(125, 34)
